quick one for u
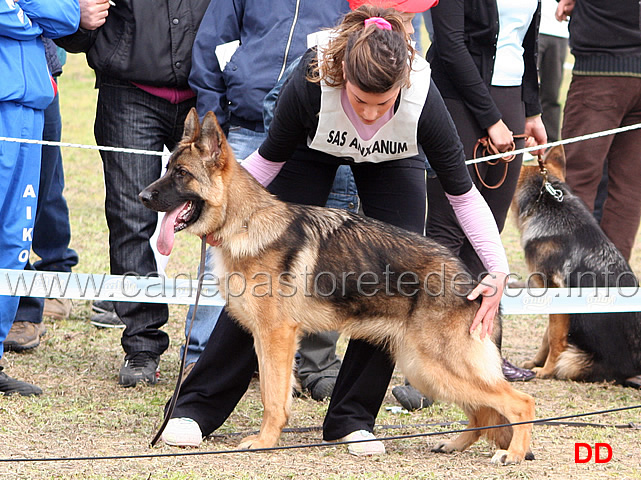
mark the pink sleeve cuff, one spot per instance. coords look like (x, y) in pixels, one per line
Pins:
(261, 169)
(480, 228)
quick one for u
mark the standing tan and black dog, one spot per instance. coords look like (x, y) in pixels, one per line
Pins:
(565, 247)
(288, 269)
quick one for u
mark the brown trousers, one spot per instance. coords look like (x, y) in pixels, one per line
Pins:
(598, 103)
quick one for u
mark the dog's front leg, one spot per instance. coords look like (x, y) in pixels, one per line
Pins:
(542, 354)
(275, 348)
(558, 329)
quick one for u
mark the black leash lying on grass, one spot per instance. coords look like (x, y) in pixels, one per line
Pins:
(319, 428)
(544, 421)
(174, 397)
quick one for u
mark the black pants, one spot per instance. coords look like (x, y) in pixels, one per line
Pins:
(552, 53)
(442, 224)
(127, 116)
(393, 192)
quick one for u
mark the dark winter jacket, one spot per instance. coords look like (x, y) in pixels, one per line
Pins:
(605, 37)
(143, 41)
(463, 52)
(272, 33)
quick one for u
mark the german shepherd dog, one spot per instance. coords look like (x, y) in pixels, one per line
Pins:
(565, 247)
(292, 269)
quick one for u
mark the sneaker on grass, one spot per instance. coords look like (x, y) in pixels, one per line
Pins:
(410, 398)
(9, 386)
(139, 367)
(321, 388)
(182, 432)
(103, 306)
(106, 320)
(365, 443)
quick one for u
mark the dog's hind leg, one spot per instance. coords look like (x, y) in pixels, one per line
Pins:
(480, 417)
(557, 335)
(487, 403)
(542, 354)
(275, 348)
(516, 407)
(465, 439)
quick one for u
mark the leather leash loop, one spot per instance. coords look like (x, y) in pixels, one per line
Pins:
(485, 147)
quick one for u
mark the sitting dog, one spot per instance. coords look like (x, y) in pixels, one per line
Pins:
(363, 277)
(565, 247)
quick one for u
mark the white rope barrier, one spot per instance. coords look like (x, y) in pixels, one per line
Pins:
(50, 143)
(566, 141)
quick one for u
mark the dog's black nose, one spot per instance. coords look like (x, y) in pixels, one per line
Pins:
(147, 196)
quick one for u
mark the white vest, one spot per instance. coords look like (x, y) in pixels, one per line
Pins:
(395, 140)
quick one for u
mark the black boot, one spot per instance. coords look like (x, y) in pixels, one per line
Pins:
(410, 398)
(9, 386)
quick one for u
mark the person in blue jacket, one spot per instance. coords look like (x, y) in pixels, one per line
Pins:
(22, 104)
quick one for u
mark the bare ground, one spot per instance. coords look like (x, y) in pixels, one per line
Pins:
(85, 414)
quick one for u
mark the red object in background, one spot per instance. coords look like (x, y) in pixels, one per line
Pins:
(407, 6)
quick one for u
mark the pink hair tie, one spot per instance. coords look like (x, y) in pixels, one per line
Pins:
(379, 22)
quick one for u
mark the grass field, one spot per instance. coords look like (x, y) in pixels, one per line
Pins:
(83, 413)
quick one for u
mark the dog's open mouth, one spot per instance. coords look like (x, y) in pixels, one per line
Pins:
(175, 221)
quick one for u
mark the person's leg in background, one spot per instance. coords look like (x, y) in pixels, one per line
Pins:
(51, 237)
(622, 207)
(52, 231)
(601, 194)
(127, 116)
(19, 178)
(595, 104)
(552, 53)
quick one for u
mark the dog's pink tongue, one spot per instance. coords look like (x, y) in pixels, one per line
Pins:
(166, 236)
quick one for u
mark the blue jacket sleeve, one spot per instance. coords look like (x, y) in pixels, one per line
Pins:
(221, 24)
(30, 18)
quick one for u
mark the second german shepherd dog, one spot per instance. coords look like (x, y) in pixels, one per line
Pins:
(291, 269)
(565, 247)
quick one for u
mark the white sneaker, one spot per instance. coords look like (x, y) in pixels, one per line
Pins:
(374, 447)
(182, 432)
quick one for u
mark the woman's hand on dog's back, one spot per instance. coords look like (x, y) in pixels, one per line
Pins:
(491, 289)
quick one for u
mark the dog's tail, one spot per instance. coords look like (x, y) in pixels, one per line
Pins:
(576, 364)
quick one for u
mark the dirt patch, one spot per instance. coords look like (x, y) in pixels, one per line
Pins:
(85, 414)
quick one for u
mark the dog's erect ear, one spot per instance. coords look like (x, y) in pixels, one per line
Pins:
(191, 130)
(211, 134)
(554, 160)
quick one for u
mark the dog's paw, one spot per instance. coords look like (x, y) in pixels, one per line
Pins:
(444, 447)
(530, 364)
(254, 442)
(504, 457)
(541, 372)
